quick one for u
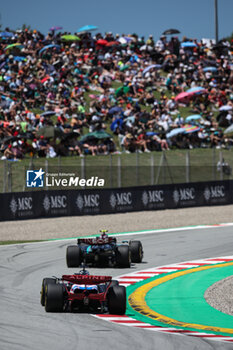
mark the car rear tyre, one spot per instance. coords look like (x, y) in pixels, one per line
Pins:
(45, 282)
(73, 256)
(114, 283)
(136, 251)
(117, 300)
(54, 298)
(123, 256)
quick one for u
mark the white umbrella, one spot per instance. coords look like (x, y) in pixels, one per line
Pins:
(229, 130)
(225, 108)
(146, 47)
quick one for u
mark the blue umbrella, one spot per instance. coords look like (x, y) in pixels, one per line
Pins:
(19, 58)
(6, 35)
(51, 46)
(114, 110)
(128, 38)
(87, 28)
(188, 44)
(55, 28)
(47, 113)
(210, 69)
(196, 89)
(193, 117)
(175, 132)
(151, 133)
(151, 67)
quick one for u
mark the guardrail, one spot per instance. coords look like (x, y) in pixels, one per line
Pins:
(41, 204)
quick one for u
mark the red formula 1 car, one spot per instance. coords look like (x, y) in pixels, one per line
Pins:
(83, 292)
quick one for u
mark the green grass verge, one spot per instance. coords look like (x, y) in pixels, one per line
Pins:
(19, 242)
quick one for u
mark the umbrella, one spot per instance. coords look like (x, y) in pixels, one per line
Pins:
(190, 129)
(193, 117)
(52, 29)
(19, 58)
(147, 69)
(112, 43)
(102, 42)
(100, 135)
(175, 132)
(188, 44)
(14, 46)
(87, 28)
(51, 46)
(210, 69)
(122, 90)
(128, 38)
(122, 41)
(70, 38)
(171, 31)
(6, 35)
(146, 48)
(151, 133)
(184, 96)
(229, 130)
(114, 110)
(45, 79)
(225, 108)
(49, 132)
(47, 113)
(124, 67)
(196, 89)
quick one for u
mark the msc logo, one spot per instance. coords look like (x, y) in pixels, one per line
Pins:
(35, 178)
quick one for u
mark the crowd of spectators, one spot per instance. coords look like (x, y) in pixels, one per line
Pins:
(63, 94)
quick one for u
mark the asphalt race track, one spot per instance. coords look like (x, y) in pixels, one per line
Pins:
(25, 325)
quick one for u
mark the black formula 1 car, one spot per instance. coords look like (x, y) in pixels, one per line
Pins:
(83, 292)
(104, 250)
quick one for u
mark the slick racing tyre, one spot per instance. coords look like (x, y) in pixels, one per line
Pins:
(73, 256)
(114, 283)
(45, 282)
(136, 251)
(54, 298)
(117, 300)
(123, 256)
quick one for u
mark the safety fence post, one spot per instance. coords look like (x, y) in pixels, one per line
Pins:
(4, 175)
(119, 171)
(83, 168)
(46, 170)
(214, 164)
(152, 172)
(9, 178)
(221, 165)
(110, 170)
(187, 163)
(137, 165)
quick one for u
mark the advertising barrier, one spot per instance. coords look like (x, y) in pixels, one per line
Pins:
(39, 204)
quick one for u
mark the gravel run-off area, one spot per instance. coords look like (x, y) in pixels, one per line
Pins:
(73, 226)
(220, 295)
